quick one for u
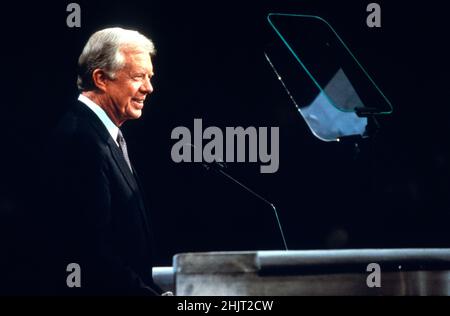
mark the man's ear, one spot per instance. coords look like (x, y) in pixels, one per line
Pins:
(100, 79)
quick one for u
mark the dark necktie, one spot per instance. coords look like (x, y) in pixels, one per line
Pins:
(123, 148)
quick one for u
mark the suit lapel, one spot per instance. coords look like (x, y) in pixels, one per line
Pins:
(132, 181)
(116, 154)
(122, 164)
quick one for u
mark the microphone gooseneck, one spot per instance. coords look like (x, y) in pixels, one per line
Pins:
(219, 167)
(262, 199)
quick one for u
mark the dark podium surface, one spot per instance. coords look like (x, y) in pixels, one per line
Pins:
(318, 272)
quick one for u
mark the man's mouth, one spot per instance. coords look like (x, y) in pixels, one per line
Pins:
(139, 101)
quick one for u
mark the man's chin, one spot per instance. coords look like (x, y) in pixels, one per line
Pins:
(135, 114)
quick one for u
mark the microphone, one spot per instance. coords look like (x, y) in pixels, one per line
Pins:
(219, 166)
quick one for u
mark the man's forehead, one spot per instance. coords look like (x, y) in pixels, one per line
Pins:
(138, 59)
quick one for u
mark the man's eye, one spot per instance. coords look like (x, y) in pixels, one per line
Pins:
(141, 77)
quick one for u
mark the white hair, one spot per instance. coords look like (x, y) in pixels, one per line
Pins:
(103, 51)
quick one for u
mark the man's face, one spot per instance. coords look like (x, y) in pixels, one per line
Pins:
(128, 90)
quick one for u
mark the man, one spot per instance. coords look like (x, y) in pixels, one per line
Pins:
(94, 214)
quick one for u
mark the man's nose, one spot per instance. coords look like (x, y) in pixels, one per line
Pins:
(147, 86)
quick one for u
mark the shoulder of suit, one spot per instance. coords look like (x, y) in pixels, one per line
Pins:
(76, 132)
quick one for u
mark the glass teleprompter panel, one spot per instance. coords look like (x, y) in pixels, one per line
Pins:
(330, 88)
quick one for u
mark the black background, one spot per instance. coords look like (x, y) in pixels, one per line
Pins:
(394, 192)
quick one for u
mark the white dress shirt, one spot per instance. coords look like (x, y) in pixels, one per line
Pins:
(110, 126)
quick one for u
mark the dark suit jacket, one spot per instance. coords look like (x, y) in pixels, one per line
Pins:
(93, 212)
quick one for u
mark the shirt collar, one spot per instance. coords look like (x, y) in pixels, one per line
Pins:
(110, 126)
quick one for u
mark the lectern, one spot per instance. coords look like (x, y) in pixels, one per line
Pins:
(390, 272)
